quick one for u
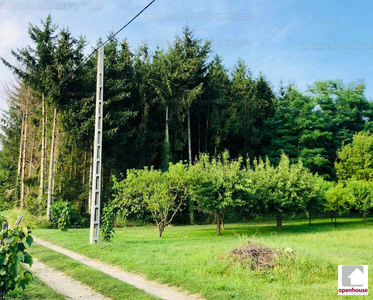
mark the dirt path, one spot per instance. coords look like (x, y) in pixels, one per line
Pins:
(156, 289)
(63, 284)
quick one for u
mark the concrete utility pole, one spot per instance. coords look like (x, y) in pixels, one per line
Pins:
(97, 150)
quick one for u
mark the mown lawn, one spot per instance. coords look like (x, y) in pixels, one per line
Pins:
(194, 258)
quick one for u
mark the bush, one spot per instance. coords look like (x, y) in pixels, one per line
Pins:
(77, 220)
(56, 210)
(12, 253)
(107, 222)
(35, 205)
(2, 220)
(4, 205)
(44, 224)
(64, 220)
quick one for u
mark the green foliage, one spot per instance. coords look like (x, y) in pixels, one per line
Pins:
(362, 192)
(339, 199)
(31, 181)
(13, 252)
(10, 124)
(298, 131)
(213, 182)
(64, 219)
(162, 194)
(35, 205)
(165, 160)
(355, 160)
(2, 220)
(287, 188)
(107, 222)
(76, 219)
(316, 204)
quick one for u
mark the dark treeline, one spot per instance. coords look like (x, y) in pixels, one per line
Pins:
(164, 106)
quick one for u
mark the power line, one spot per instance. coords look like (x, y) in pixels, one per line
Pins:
(85, 60)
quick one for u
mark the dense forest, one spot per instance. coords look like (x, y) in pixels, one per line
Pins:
(170, 105)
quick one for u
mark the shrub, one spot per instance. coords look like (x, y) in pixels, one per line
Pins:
(64, 220)
(76, 219)
(56, 210)
(4, 205)
(35, 205)
(44, 224)
(107, 222)
(15, 242)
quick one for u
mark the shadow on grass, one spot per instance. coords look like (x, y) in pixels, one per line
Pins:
(289, 227)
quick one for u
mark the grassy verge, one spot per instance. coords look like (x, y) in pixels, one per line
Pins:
(36, 290)
(12, 215)
(100, 282)
(194, 258)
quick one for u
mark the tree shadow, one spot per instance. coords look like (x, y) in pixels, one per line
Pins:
(289, 227)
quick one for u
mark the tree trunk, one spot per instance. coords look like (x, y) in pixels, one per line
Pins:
(32, 155)
(71, 161)
(365, 217)
(207, 126)
(189, 140)
(20, 159)
(218, 222)
(167, 132)
(222, 223)
(56, 150)
(84, 166)
(51, 164)
(309, 219)
(21, 146)
(23, 169)
(42, 163)
(279, 221)
(160, 229)
(199, 134)
(331, 217)
(31, 159)
(191, 211)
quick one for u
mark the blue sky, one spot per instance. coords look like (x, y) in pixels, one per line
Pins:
(289, 40)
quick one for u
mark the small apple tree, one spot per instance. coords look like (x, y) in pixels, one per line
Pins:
(362, 192)
(213, 183)
(338, 200)
(286, 188)
(162, 194)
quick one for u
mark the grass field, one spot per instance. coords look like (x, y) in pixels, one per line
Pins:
(194, 258)
(36, 290)
(100, 282)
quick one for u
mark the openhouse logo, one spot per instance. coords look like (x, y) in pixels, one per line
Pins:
(353, 280)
